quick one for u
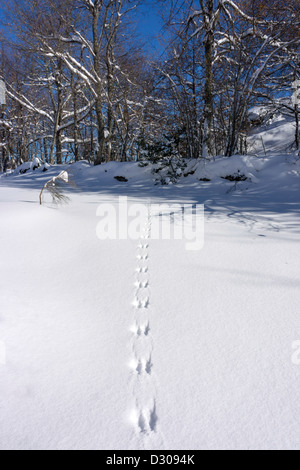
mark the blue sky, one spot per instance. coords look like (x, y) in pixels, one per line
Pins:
(149, 23)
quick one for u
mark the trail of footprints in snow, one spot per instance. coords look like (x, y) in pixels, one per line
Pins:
(144, 415)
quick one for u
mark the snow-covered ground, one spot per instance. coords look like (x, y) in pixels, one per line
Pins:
(143, 344)
(276, 134)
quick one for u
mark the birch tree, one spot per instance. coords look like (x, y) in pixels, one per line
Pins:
(242, 39)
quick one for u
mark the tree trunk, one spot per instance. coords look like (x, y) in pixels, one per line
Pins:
(58, 146)
(58, 143)
(98, 88)
(110, 98)
(297, 126)
(208, 87)
(76, 146)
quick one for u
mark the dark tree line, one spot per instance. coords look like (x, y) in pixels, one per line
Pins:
(81, 86)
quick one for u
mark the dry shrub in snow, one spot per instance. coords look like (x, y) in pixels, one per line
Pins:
(55, 188)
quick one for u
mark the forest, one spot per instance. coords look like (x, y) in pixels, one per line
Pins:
(81, 83)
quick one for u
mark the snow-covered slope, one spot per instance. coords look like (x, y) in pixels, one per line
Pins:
(274, 136)
(139, 343)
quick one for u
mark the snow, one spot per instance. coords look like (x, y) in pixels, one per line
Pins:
(276, 134)
(142, 344)
(34, 165)
(2, 93)
(256, 113)
(64, 176)
(237, 164)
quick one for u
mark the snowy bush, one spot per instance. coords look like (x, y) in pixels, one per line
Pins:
(167, 147)
(28, 166)
(236, 177)
(169, 170)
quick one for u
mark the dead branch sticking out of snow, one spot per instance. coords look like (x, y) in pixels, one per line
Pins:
(55, 188)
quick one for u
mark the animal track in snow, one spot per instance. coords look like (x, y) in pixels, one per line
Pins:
(142, 257)
(143, 366)
(141, 303)
(145, 419)
(145, 235)
(141, 284)
(141, 330)
(142, 270)
(142, 379)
